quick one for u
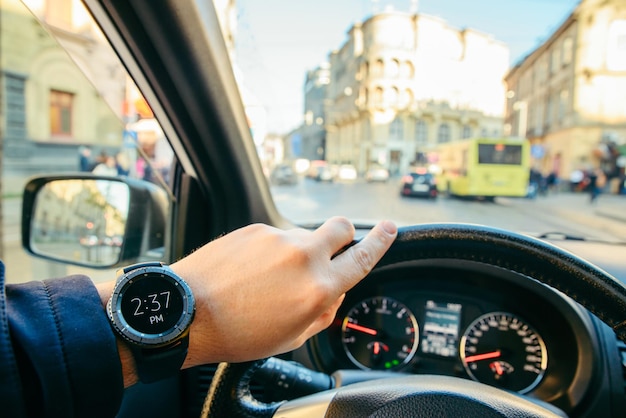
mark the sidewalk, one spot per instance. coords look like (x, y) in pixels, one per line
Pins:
(607, 214)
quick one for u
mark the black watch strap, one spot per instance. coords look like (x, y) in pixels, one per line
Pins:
(141, 265)
(160, 363)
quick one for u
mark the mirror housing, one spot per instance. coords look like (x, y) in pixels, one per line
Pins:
(94, 221)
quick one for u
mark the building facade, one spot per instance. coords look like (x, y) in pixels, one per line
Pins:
(402, 83)
(568, 95)
(312, 133)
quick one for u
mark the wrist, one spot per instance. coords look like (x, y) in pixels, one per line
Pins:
(127, 360)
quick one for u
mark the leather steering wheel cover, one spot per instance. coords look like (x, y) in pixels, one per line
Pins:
(229, 394)
(587, 284)
(433, 396)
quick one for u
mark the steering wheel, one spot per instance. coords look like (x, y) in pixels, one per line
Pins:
(431, 396)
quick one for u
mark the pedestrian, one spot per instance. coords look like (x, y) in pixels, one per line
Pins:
(84, 159)
(597, 182)
(106, 168)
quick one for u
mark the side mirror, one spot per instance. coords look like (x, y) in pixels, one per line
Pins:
(94, 221)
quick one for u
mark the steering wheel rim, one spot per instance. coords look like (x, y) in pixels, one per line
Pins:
(587, 284)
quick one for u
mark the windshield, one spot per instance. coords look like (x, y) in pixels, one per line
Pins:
(512, 106)
(502, 113)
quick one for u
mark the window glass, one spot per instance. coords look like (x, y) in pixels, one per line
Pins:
(70, 107)
(499, 154)
(421, 132)
(443, 133)
(61, 108)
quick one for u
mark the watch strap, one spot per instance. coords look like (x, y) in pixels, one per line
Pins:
(142, 265)
(154, 364)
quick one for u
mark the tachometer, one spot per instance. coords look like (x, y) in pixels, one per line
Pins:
(501, 350)
(380, 333)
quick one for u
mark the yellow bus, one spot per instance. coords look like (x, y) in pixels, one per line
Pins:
(484, 167)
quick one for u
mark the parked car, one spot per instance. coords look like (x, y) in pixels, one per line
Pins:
(347, 172)
(314, 168)
(419, 183)
(324, 174)
(283, 174)
(458, 319)
(377, 174)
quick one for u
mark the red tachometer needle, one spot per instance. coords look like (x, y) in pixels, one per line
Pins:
(498, 368)
(361, 328)
(485, 356)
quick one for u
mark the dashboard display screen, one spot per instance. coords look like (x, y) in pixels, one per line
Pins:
(440, 333)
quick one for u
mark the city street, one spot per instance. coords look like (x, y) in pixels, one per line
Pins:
(566, 213)
(310, 202)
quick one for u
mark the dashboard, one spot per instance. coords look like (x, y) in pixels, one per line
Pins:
(468, 320)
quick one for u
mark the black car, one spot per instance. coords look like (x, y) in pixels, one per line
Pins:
(419, 183)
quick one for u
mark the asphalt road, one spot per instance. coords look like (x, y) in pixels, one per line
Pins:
(566, 213)
(310, 201)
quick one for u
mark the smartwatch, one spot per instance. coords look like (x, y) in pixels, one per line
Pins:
(152, 309)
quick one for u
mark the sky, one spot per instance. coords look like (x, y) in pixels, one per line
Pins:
(278, 41)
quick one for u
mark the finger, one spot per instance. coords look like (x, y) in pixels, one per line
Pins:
(334, 234)
(357, 261)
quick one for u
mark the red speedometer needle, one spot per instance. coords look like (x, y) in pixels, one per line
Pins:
(361, 328)
(484, 356)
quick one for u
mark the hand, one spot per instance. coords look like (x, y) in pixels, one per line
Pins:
(262, 291)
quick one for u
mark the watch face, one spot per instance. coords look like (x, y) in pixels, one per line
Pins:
(150, 307)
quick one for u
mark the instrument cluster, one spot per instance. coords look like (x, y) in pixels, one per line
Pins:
(489, 325)
(498, 348)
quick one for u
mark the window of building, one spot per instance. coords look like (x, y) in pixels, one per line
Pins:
(378, 96)
(443, 133)
(379, 67)
(549, 113)
(61, 106)
(421, 132)
(391, 96)
(466, 132)
(406, 98)
(556, 60)
(15, 108)
(393, 68)
(538, 117)
(563, 104)
(568, 49)
(616, 46)
(396, 129)
(406, 70)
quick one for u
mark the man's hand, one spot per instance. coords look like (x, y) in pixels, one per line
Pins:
(262, 291)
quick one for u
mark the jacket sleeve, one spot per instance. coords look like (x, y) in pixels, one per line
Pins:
(57, 350)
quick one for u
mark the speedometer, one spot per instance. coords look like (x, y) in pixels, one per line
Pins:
(380, 333)
(501, 350)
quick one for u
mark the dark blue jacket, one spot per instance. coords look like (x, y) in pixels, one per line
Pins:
(58, 353)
